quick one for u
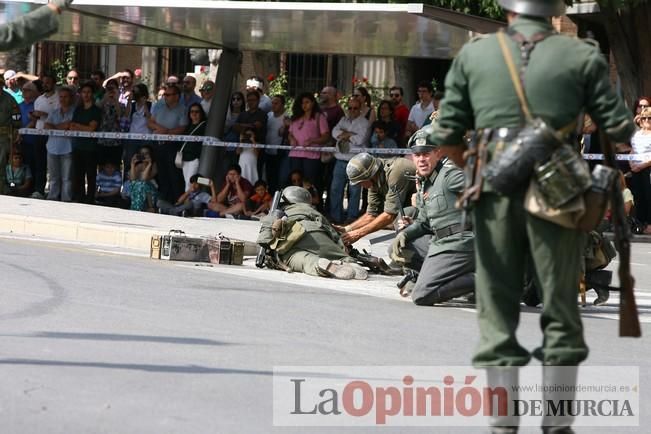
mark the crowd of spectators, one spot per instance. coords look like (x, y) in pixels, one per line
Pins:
(149, 176)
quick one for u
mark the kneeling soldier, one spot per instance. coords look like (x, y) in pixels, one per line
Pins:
(301, 239)
(447, 270)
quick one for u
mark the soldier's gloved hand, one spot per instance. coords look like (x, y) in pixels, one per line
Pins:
(398, 248)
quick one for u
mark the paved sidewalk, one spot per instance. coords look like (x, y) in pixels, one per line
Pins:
(117, 227)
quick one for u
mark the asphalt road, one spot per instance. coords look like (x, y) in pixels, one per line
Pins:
(98, 342)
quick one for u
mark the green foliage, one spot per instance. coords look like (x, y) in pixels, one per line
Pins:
(484, 8)
(60, 68)
(278, 86)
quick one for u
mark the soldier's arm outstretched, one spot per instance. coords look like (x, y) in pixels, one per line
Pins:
(32, 27)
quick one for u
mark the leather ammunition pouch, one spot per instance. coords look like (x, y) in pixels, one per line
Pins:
(584, 211)
(512, 163)
(563, 176)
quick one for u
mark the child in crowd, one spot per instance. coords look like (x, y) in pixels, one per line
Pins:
(258, 205)
(380, 139)
(192, 202)
(316, 196)
(18, 176)
(109, 185)
(248, 160)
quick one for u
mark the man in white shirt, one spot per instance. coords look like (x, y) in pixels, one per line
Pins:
(422, 109)
(351, 132)
(273, 158)
(43, 106)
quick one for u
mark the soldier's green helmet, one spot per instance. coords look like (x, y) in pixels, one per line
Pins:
(420, 140)
(362, 167)
(536, 8)
(294, 194)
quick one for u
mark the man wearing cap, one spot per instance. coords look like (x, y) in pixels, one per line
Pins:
(447, 270)
(561, 76)
(390, 186)
(301, 239)
(11, 81)
(257, 83)
(33, 26)
(207, 91)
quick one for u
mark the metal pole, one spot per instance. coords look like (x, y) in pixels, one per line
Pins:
(212, 163)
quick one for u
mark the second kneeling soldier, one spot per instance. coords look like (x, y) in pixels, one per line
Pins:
(448, 268)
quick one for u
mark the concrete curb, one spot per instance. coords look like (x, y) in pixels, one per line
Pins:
(65, 230)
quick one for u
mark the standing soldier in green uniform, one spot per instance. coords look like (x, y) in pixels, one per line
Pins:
(302, 240)
(33, 26)
(447, 270)
(561, 77)
(390, 185)
(9, 125)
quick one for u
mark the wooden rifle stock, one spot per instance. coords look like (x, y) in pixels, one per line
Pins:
(629, 321)
(475, 159)
(262, 252)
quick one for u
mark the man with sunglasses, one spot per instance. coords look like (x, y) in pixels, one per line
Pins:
(207, 91)
(170, 118)
(352, 131)
(400, 110)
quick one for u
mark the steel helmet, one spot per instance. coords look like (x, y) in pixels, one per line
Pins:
(420, 140)
(294, 194)
(536, 8)
(362, 167)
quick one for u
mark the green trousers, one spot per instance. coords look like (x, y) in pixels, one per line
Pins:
(5, 147)
(305, 254)
(505, 234)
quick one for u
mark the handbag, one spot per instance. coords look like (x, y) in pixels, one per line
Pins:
(326, 157)
(178, 159)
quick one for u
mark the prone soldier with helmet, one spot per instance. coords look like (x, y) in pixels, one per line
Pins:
(299, 238)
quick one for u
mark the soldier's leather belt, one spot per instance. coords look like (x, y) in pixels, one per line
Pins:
(451, 230)
(505, 134)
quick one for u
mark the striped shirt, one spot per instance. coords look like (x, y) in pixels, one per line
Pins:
(106, 183)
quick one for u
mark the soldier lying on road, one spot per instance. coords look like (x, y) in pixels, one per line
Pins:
(301, 239)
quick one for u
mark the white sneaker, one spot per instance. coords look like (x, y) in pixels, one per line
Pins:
(229, 216)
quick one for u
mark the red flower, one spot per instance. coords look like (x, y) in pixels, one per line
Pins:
(354, 79)
(271, 78)
(365, 80)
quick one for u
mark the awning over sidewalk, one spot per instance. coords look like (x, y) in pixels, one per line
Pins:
(410, 30)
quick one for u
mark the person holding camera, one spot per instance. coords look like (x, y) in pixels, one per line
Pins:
(232, 197)
(193, 200)
(143, 188)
